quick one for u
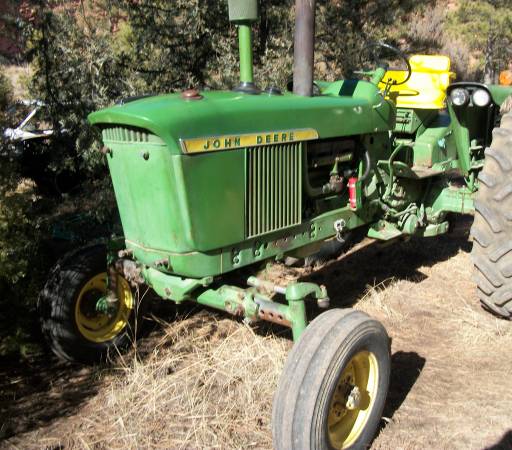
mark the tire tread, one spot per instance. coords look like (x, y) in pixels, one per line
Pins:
(492, 228)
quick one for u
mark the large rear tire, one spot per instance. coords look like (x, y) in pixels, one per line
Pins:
(492, 228)
(334, 385)
(72, 324)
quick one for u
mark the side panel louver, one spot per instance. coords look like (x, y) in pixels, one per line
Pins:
(129, 134)
(274, 188)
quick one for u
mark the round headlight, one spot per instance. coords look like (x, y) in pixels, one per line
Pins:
(481, 97)
(459, 97)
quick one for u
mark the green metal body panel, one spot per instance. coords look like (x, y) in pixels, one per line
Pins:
(472, 127)
(499, 93)
(459, 201)
(223, 113)
(432, 148)
(167, 200)
(410, 121)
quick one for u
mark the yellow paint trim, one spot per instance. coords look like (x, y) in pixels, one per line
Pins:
(344, 425)
(234, 141)
(100, 327)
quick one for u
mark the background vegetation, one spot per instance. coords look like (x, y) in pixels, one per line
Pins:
(87, 54)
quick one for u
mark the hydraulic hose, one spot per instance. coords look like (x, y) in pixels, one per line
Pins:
(368, 163)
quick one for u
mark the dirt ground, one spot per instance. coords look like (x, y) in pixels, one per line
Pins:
(206, 381)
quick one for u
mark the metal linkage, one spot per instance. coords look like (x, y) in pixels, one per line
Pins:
(295, 294)
(253, 303)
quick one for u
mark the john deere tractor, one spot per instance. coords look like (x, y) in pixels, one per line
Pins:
(208, 183)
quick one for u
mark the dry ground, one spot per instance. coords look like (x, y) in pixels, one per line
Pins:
(206, 381)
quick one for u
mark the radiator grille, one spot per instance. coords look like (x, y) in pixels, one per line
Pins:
(274, 188)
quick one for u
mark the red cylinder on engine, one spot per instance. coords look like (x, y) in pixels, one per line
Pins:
(352, 192)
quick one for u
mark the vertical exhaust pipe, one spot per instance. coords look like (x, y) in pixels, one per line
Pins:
(304, 47)
(243, 13)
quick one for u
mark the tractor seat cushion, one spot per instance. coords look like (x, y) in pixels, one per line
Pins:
(426, 88)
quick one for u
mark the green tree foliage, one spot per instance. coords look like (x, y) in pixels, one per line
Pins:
(13, 221)
(345, 28)
(170, 44)
(486, 26)
(5, 92)
(17, 239)
(73, 73)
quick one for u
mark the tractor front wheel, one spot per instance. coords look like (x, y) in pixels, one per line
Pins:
(492, 228)
(334, 385)
(77, 322)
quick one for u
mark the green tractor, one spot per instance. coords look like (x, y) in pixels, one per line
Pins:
(208, 183)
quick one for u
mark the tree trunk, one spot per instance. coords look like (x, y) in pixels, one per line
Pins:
(489, 69)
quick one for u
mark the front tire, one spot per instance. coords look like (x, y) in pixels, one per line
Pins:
(492, 228)
(334, 385)
(72, 324)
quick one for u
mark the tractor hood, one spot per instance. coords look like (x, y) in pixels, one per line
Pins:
(344, 108)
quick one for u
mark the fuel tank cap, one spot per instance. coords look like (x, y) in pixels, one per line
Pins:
(191, 94)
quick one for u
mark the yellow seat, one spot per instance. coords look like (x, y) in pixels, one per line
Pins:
(426, 88)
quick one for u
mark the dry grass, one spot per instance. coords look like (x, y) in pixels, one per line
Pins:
(377, 298)
(207, 381)
(205, 384)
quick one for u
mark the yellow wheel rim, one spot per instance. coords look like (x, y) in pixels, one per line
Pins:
(353, 400)
(100, 327)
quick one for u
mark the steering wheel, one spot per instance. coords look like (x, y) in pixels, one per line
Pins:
(379, 73)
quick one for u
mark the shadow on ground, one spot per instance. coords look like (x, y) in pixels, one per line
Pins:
(406, 368)
(504, 444)
(35, 392)
(38, 390)
(378, 264)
